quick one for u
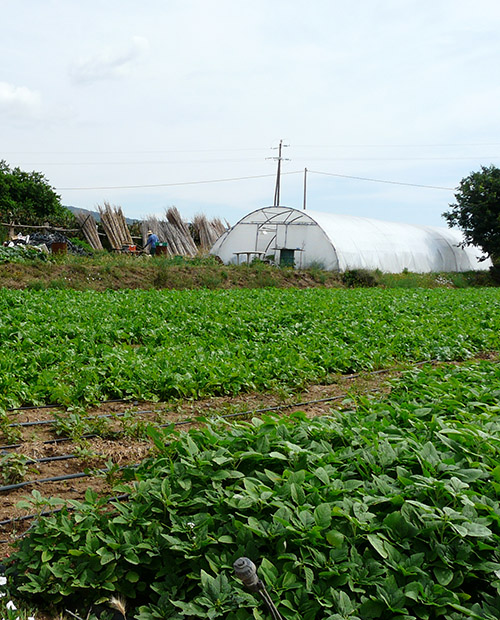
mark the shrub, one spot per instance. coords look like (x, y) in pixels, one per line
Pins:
(360, 278)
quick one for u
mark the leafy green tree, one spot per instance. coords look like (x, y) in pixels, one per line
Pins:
(27, 198)
(477, 211)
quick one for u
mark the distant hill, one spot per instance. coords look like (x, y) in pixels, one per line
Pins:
(95, 214)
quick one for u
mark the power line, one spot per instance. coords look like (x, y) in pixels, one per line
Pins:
(346, 176)
(470, 158)
(252, 159)
(134, 152)
(259, 176)
(343, 146)
(256, 149)
(137, 163)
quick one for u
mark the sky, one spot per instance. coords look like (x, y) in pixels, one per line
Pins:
(388, 104)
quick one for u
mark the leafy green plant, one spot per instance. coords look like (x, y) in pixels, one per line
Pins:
(9, 433)
(386, 509)
(75, 425)
(189, 344)
(20, 254)
(13, 467)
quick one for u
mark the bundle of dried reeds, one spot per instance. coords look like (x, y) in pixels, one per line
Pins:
(207, 232)
(154, 225)
(182, 232)
(115, 226)
(89, 229)
(181, 238)
(165, 233)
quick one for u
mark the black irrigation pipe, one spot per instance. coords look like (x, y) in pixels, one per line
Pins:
(54, 406)
(50, 459)
(20, 485)
(49, 442)
(87, 417)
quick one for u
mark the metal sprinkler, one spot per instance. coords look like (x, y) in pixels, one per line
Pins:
(246, 571)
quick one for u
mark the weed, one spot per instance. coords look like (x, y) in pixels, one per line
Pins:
(75, 425)
(210, 279)
(11, 434)
(132, 426)
(36, 285)
(58, 283)
(13, 468)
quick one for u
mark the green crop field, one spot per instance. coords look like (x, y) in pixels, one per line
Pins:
(386, 508)
(80, 347)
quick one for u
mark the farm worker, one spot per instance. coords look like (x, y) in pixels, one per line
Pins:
(152, 242)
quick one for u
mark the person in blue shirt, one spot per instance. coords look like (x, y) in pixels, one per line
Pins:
(152, 242)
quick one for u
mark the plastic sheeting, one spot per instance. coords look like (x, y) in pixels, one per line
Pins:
(342, 242)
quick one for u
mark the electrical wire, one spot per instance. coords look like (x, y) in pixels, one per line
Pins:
(346, 176)
(257, 176)
(139, 163)
(383, 146)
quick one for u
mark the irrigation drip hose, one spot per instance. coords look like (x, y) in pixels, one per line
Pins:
(50, 459)
(49, 442)
(87, 417)
(54, 406)
(19, 485)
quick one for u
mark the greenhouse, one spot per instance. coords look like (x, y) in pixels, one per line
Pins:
(290, 237)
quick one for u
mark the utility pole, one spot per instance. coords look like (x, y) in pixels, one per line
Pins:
(305, 188)
(279, 159)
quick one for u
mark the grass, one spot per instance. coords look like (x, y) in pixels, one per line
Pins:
(121, 271)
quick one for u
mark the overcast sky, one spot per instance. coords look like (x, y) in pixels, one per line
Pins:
(183, 102)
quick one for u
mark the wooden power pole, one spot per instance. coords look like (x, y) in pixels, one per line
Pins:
(279, 159)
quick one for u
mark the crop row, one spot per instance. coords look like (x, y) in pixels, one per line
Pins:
(71, 347)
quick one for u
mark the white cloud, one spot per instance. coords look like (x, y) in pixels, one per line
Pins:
(18, 100)
(110, 63)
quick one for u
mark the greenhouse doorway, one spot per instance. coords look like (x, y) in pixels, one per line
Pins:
(287, 257)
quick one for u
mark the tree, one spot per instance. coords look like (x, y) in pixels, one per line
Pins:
(27, 198)
(477, 211)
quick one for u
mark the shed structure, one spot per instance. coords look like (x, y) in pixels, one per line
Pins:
(288, 236)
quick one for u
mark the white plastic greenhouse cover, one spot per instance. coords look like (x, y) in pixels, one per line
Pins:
(344, 242)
